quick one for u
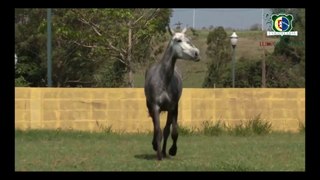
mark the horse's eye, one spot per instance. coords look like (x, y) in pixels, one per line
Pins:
(179, 40)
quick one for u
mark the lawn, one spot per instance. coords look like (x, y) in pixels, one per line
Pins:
(43, 150)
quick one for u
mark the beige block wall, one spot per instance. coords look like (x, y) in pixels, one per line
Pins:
(124, 109)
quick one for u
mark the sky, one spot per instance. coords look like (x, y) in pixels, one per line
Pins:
(232, 18)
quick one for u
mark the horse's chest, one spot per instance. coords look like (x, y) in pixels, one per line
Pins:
(165, 98)
(167, 101)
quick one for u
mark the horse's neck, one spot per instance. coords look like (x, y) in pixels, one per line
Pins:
(167, 64)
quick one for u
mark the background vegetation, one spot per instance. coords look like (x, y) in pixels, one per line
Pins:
(114, 47)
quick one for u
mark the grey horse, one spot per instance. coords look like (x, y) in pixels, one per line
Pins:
(163, 88)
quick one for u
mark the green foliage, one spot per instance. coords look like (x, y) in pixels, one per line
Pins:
(210, 129)
(28, 72)
(292, 48)
(144, 25)
(253, 126)
(111, 75)
(104, 129)
(83, 58)
(84, 42)
(285, 47)
(186, 131)
(218, 42)
(277, 70)
(280, 73)
(248, 73)
(21, 82)
(285, 67)
(30, 47)
(218, 51)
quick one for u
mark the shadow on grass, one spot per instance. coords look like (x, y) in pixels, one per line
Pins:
(151, 156)
(146, 156)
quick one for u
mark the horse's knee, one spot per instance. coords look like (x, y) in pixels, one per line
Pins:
(154, 145)
(174, 135)
(166, 131)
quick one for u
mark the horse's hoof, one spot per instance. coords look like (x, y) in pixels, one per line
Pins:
(173, 151)
(154, 146)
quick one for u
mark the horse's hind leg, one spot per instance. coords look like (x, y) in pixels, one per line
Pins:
(174, 133)
(166, 133)
(157, 135)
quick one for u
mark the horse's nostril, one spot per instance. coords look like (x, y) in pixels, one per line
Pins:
(196, 54)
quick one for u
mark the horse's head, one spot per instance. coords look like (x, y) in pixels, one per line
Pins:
(183, 47)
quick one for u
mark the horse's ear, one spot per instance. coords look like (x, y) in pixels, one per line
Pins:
(171, 32)
(184, 30)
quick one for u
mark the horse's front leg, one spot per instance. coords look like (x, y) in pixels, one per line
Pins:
(166, 133)
(174, 133)
(157, 134)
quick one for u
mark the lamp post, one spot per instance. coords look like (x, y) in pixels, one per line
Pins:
(234, 40)
(15, 59)
(49, 48)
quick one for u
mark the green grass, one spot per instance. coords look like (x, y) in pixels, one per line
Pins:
(37, 150)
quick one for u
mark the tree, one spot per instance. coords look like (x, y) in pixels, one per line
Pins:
(128, 39)
(279, 73)
(218, 51)
(87, 42)
(291, 49)
(29, 43)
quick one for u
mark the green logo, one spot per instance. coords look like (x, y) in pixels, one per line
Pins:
(282, 25)
(282, 22)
